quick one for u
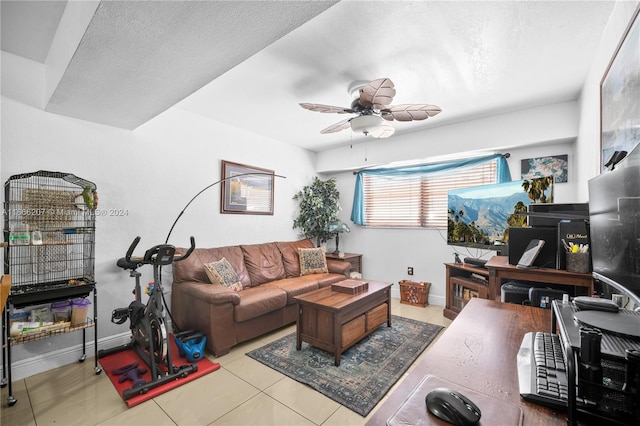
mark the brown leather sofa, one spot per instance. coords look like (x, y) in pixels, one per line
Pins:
(270, 276)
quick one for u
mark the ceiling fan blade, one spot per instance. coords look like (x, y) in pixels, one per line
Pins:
(384, 131)
(410, 112)
(340, 125)
(377, 93)
(326, 108)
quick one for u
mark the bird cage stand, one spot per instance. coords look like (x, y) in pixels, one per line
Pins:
(49, 252)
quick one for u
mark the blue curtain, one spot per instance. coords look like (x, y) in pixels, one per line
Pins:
(502, 175)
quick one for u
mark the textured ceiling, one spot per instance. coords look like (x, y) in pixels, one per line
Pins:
(139, 58)
(28, 27)
(249, 64)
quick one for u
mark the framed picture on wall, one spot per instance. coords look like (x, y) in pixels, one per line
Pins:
(619, 94)
(555, 165)
(246, 189)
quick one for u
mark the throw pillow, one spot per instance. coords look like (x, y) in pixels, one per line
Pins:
(312, 261)
(221, 272)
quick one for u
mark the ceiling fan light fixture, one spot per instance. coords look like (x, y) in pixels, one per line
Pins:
(366, 123)
(372, 102)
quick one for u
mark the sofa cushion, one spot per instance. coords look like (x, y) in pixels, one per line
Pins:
(263, 262)
(312, 261)
(221, 272)
(290, 258)
(258, 301)
(192, 268)
(296, 286)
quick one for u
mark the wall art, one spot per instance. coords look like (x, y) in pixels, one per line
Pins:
(619, 94)
(555, 165)
(246, 189)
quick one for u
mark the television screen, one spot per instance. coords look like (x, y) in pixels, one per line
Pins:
(480, 216)
(614, 211)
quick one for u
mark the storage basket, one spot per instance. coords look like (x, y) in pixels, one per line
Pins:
(414, 292)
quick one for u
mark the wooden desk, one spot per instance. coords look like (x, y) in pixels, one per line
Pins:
(478, 351)
(500, 269)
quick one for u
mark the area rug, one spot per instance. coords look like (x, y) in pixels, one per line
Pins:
(367, 370)
(117, 360)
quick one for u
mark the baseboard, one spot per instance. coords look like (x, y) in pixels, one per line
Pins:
(433, 300)
(54, 359)
(437, 300)
(41, 363)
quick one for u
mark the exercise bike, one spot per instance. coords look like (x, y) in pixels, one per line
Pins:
(148, 331)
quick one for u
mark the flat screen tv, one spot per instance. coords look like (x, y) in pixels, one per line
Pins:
(614, 216)
(480, 216)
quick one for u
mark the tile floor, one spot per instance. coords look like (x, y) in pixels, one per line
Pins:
(241, 392)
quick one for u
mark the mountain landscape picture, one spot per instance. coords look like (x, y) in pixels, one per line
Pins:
(480, 216)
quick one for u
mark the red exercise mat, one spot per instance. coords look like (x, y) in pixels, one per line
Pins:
(120, 359)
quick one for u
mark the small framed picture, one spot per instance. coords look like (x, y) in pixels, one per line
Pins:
(555, 165)
(246, 189)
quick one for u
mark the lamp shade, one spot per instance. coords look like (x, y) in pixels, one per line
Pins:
(365, 123)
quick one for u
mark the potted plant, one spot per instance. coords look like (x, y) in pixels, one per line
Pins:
(319, 205)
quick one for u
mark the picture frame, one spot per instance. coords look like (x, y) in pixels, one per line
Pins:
(554, 165)
(619, 94)
(246, 189)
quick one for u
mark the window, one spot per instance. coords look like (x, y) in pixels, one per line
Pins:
(417, 200)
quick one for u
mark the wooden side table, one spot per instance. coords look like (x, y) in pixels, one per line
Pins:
(354, 259)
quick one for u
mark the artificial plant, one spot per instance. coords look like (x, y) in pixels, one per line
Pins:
(319, 205)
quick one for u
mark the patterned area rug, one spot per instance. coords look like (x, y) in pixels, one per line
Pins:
(367, 370)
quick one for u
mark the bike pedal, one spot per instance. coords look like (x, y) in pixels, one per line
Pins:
(120, 315)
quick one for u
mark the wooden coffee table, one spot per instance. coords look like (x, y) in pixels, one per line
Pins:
(334, 321)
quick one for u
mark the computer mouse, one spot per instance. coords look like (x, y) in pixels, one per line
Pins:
(453, 407)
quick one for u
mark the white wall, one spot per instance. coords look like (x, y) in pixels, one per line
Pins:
(571, 128)
(530, 133)
(150, 174)
(541, 125)
(388, 252)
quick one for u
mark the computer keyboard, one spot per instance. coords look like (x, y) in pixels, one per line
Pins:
(541, 370)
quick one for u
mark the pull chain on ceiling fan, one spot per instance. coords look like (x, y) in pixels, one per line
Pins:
(373, 108)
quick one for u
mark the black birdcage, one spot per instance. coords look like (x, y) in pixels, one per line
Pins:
(49, 232)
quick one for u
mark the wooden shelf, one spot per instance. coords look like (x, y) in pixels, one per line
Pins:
(464, 283)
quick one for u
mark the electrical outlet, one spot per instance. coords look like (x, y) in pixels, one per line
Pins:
(410, 270)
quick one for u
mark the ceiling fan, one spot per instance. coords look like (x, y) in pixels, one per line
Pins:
(372, 105)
